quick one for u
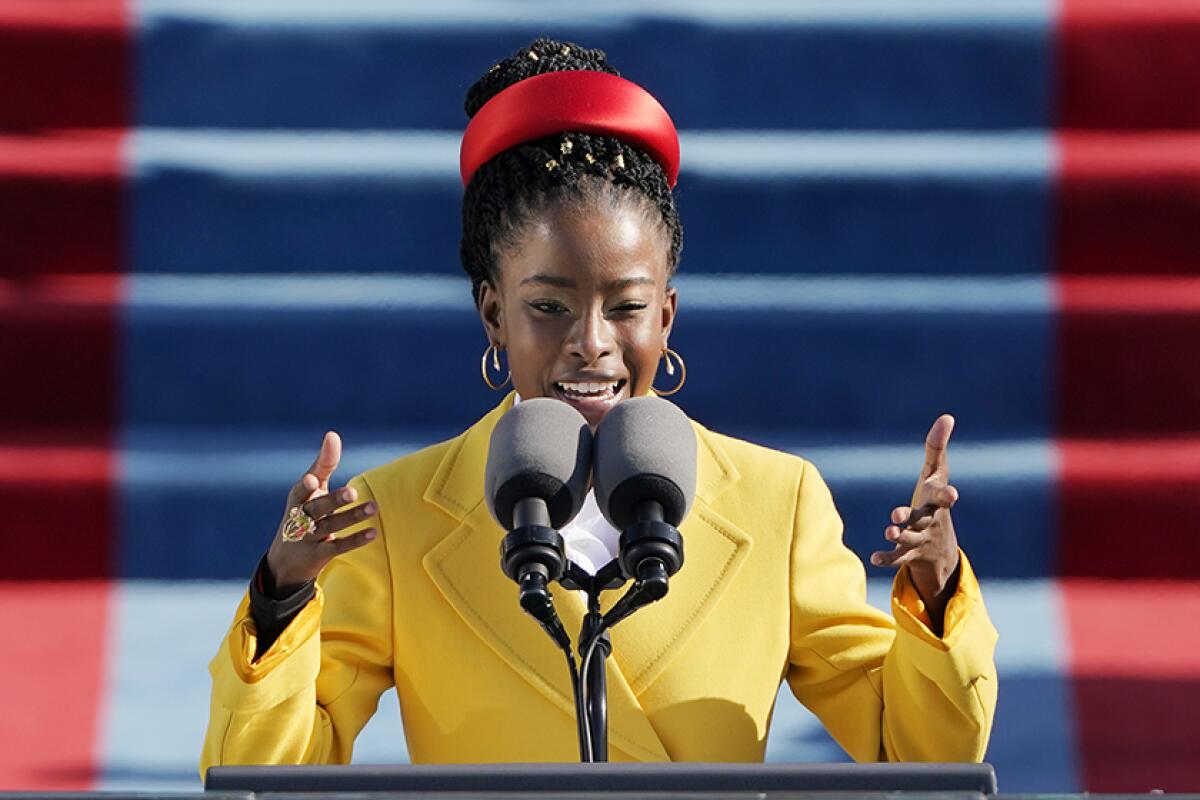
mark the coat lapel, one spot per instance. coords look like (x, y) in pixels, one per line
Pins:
(714, 549)
(465, 567)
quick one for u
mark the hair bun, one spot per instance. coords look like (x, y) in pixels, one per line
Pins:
(538, 57)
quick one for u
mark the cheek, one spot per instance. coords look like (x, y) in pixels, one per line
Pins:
(532, 352)
(642, 352)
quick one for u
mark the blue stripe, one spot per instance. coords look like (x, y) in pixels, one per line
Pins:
(752, 202)
(840, 372)
(170, 479)
(936, 66)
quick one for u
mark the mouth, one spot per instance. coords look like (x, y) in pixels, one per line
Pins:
(591, 398)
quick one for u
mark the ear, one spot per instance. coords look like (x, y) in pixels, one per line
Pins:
(670, 306)
(491, 313)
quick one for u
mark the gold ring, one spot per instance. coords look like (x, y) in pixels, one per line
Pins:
(297, 525)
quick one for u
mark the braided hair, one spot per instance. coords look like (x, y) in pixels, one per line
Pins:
(507, 191)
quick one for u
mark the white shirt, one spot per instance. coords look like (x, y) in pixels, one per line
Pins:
(591, 541)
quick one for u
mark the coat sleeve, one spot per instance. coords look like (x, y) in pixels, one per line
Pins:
(884, 689)
(305, 700)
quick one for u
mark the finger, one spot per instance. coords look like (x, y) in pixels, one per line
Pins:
(327, 458)
(344, 519)
(920, 518)
(895, 558)
(903, 537)
(352, 542)
(324, 505)
(936, 442)
(302, 490)
(900, 514)
(941, 495)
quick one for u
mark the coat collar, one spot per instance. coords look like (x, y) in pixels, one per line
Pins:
(465, 567)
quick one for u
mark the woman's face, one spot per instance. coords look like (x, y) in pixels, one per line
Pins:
(582, 306)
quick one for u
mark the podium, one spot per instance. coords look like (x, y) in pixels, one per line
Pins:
(678, 780)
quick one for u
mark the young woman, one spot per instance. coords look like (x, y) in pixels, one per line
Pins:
(570, 237)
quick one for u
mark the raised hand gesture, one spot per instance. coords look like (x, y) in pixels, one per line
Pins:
(923, 533)
(293, 560)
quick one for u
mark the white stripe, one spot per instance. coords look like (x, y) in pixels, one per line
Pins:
(711, 293)
(193, 459)
(789, 154)
(1030, 460)
(479, 13)
(197, 463)
(298, 154)
(301, 293)
(433, 155)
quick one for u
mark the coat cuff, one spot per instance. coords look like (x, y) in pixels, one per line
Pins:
(968, 634)
(288, 667)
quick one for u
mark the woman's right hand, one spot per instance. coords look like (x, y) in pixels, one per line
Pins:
(293, 563)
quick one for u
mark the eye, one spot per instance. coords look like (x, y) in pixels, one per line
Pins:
(629, 307)
(552, 307)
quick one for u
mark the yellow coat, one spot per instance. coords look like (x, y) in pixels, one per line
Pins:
(767, 592)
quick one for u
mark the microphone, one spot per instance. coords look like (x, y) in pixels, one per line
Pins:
(644, 471)
(535, 482)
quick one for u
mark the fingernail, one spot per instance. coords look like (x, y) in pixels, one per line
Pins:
(370, 508)
(875, 560)
(369, 534)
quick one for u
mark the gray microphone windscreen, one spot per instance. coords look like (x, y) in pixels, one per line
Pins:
(645, 450)
(540, 448)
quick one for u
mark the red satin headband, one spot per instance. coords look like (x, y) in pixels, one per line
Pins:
(573, 101)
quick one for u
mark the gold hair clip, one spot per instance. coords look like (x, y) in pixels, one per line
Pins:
(566, 146)
(551, 165)
(533, 56)
(619, 161)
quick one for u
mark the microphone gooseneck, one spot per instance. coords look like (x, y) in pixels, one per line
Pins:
(645, 477)
(535, 481)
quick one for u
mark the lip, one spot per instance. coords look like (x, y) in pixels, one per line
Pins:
(593, 409)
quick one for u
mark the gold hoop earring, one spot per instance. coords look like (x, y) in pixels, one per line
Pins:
(483, 368)
(667, 355)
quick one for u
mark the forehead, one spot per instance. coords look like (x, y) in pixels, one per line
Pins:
(587, 244)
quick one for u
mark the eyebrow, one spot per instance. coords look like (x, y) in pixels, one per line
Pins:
(560, 282)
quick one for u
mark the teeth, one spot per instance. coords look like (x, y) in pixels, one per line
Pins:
(589, 388)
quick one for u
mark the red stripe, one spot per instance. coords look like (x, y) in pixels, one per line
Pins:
(1128, 203)
(1129, 64)
(1082, 294)
(1124, 350)
(60, 203)
(60, 509)
(52, 668)
(63, 353)
(73, 61)
(1130, 509)
(1136, 664)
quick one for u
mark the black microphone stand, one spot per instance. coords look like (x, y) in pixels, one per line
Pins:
(593, 637)
(533, 554)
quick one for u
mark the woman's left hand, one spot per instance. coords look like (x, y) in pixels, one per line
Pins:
(923, 533)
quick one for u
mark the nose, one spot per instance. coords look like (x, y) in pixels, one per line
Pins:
(591, 337)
